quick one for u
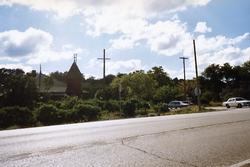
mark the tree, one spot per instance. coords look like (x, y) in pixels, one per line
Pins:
(59, 76)
(166, 94)
(227, 72)
(48, 82)
(16, 88)
(159, 75)
(213, 75)
(137, 85)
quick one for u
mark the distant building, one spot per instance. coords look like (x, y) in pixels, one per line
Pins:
(74, 81)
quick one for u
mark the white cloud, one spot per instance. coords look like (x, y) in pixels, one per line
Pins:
(67, 8)
(125, 66)
(202, 27)
(25, 68)
(17, 44)
(32, 45)
(114, 67)
(131, 22)
(217, 50)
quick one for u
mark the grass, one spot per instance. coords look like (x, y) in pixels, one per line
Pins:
(105, 115)
(188, 110)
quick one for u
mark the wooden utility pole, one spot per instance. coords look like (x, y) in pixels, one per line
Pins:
(197, 89)
(104, 62)
(40, 78)
(184, 71)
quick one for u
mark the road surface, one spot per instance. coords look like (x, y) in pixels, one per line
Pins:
(204, 139)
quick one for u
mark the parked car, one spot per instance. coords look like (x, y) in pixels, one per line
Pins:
(236, 102)
(177, 104)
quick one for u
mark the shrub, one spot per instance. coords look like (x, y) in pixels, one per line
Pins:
(112, 106)
(161, 108)
(85, 112)
(143, 105)
(152, 114)
(16, 115)
(69, 102)
(3, 119)
(206, 97)
(129, 108)
(49, 115)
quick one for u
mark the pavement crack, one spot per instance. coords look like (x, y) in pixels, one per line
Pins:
(155, 155)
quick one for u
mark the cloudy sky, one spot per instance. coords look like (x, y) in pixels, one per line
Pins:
(137, 34)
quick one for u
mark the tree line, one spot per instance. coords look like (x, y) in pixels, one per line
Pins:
(139, 93)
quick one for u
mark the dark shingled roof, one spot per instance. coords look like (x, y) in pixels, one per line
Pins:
(74, 81)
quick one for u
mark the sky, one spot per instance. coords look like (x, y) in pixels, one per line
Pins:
(137, 34)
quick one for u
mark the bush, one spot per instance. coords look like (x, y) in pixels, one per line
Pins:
(49, 115)
(143, 105)
(16, 115)
(206, 97)
(161, 108)
(85, 112)
(111, 106)
(129, 108)
(152, 114)
(69, 102)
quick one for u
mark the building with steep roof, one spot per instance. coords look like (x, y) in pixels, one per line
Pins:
(74, 81)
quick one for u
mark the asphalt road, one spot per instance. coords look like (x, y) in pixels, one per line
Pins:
(204, 139)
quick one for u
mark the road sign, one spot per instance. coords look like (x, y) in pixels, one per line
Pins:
(197, 91)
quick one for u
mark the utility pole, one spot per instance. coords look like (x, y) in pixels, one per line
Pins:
(40, 78)
(104, 62)
(197, 89)
(184, 71)
(120, 96)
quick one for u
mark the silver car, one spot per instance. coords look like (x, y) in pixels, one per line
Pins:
(177, 104)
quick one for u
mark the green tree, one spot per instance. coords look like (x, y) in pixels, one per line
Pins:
(137, 85)
(16, 88)
(213, 75)
(166, 94)
(160, 76)
(48, 82)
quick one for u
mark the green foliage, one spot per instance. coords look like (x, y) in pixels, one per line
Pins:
(49, 115)
(85, 112)
(21, 116)
(160, 76)
(59, 76)
(69, 102)
(129, 108)
(106, 93)
(48, 82)
(161, 107)
(137, 85)
(206, 97)
(102, 101)
(111, 106)
(166, 94)
(16, 88)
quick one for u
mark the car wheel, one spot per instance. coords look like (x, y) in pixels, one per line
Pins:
(239, 106)
(227, 106)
